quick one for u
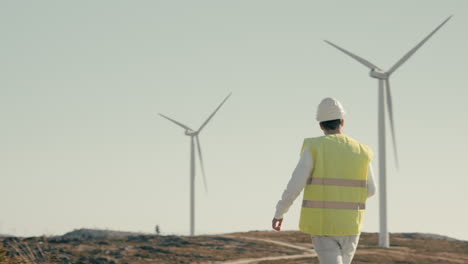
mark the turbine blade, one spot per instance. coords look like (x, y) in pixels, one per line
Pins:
(413, 50)
(392, 124)
(176, 122)
(359, 59)
(211, 116)
(201, 163)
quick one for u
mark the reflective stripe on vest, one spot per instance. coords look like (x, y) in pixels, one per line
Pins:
(337, 182)
(333, 205)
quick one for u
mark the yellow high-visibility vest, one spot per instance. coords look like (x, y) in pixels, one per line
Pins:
(336, 192)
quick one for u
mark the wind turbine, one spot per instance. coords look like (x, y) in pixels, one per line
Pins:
(384, 92)
(194, 137)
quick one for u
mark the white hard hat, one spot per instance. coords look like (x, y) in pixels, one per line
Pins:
(330, 109)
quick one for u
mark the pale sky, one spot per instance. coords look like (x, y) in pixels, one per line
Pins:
(82, 83)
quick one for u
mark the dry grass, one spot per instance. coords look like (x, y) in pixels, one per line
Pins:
(16, 251)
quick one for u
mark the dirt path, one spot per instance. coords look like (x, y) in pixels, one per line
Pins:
(308, 252)
(256, 260)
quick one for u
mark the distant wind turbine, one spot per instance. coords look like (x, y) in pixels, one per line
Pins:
(384, 84)
(194, 137)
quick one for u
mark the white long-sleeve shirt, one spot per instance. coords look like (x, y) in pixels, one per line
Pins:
(299, 179)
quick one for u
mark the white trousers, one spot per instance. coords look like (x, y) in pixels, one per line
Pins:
(335, 249)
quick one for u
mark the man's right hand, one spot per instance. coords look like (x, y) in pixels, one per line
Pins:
(276, 224)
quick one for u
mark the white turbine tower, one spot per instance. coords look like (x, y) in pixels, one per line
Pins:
(194, 137)
(384, 91)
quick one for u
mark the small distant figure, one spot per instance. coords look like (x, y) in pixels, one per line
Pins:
(157, 230)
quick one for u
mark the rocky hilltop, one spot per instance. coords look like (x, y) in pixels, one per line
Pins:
(97, 233)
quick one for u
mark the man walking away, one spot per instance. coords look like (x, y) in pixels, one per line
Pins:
(336, 175)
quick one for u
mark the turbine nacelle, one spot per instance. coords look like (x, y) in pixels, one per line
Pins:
(379, 74)
(190, 132)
